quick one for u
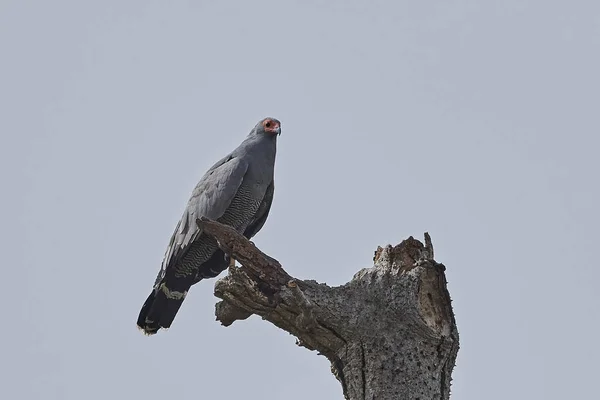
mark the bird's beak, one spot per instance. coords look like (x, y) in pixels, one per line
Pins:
(275, 130)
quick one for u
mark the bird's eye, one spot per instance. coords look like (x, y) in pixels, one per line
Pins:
(268, 124)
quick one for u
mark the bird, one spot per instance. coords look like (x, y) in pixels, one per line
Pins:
(236, 191)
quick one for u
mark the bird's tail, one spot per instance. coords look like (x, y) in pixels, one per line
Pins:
(162, 304)
(160, 308)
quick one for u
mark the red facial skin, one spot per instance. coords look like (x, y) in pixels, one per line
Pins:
(271, 126)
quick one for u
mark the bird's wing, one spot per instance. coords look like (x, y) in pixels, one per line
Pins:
(262, 213)
(211, 198)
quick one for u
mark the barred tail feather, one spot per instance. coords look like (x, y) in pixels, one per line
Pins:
(160, 308)
(163, 303)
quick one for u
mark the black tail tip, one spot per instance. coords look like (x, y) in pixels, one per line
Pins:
(148, 330)
(147, 327)
(159, 309)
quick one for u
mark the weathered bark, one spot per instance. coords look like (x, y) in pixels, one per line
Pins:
(389, 333)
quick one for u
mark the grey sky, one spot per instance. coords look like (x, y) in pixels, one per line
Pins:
(475, 121)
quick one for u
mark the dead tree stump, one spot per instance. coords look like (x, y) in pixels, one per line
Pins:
(389, 333)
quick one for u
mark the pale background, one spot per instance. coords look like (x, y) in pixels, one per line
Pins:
(474, 120)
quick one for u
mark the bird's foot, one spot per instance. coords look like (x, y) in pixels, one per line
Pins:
(230, 261)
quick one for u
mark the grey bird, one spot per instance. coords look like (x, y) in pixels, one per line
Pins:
(236, 191)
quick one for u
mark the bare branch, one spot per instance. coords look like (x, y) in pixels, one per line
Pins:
(259, 264)
(389, 332)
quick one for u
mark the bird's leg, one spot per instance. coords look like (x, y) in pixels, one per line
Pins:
(230, 261)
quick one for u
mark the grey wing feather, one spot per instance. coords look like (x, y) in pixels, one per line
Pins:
(262, 213)
(211, 198)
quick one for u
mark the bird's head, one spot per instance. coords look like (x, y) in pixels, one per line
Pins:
(268, 127)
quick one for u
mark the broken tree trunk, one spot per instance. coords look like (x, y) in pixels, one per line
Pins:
(389, 333)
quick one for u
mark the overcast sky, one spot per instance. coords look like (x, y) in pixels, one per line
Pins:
(476, 121)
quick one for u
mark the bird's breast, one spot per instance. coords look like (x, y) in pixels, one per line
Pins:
(244, 206)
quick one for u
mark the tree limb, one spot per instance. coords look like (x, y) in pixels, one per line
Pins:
(389, 333)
